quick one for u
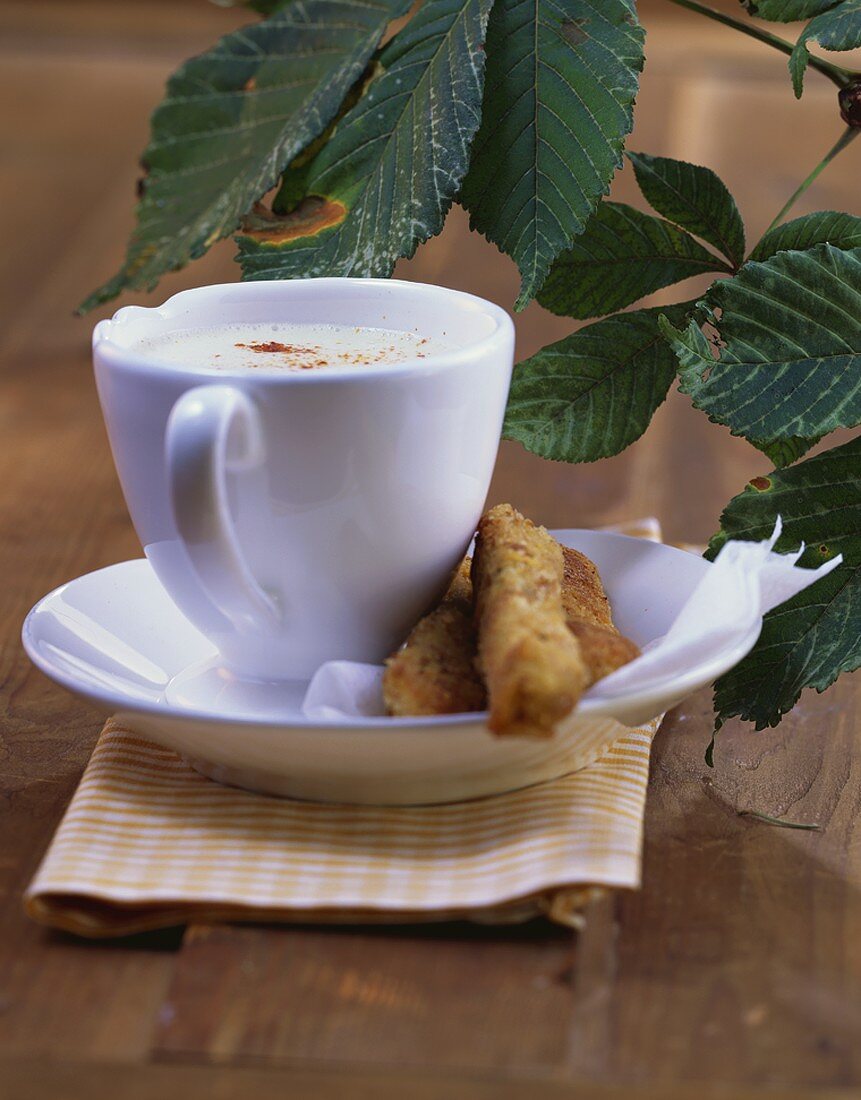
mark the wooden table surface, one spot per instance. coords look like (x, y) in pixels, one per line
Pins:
(738, 965)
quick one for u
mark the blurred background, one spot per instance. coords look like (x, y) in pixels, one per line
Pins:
(80, 78)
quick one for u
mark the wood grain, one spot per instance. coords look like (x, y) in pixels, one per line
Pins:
(75, 1081)
(758, 978)
(453, 997)
(738, 965)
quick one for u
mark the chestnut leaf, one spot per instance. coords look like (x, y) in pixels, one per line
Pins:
(233, 118)
(562, 76)
(386, 178)
(593, 393)
(811, 639)
(783, 358)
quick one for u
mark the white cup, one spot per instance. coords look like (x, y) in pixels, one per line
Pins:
(299, 517)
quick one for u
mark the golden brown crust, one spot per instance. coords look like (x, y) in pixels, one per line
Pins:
(587, 612)
(532, 664)
(583, 596)
(604, 648)
(435, 671)
(460, 587)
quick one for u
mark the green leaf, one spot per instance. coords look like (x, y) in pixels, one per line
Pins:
(561, 80)
(623, 255)
(837, 29)
(266, 7)
(821, 227)
(787, 11)
(783, 452)
(694, 198)
(593, 393)
(387, 177)
(810, 640)
(789, 348)
(294, 180)
(233, 118)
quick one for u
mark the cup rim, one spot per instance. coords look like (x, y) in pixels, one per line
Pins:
(121, 356)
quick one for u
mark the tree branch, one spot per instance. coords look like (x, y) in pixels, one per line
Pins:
(848, 135)
(841, 77)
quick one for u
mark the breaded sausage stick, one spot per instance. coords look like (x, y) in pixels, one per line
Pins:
(435, 671)
(587, 613)
(583, 595)
(532, 664)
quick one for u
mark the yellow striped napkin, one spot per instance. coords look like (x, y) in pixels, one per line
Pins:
(148, 842)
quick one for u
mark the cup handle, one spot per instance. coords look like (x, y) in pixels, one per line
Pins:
(213, 430)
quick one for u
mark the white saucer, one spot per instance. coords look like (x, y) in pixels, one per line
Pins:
(116, 638)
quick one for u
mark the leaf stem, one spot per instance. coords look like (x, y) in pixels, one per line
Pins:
(781, 822)
(848, 135)
(840, 76)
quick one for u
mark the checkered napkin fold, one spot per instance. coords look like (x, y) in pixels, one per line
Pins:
(147, 842)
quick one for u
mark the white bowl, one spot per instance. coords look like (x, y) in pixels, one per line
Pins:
(115, 638)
